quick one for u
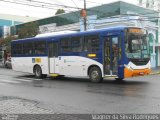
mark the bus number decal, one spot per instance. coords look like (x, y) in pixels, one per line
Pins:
(33, 60)
(36, 60)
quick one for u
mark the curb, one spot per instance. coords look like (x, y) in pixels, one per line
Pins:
(155, 73)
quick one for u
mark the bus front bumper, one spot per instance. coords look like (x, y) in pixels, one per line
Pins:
(132, 73)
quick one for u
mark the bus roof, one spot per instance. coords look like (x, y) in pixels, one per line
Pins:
(49, 35)
(55, 33)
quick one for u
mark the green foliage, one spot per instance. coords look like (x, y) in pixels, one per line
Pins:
(59, 11)
(28, 30)
(7, 42)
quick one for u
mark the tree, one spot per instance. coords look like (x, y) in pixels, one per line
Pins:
(28, 30)
(7, 42)
(59, 11)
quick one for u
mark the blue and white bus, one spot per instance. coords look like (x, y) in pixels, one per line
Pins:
(118, 52)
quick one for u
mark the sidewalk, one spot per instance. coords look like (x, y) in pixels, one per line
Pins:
(155, 71)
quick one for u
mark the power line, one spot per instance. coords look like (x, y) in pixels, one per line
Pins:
(93, 2)
(28, 10)
(26, 4)
(34, 1)
(47, 5)
(43, 6)
(74, 11)
(18, 8)
(74, 3)
(51, 5)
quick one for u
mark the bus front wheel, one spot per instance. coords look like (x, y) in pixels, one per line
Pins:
(38, 72)
(95, 75)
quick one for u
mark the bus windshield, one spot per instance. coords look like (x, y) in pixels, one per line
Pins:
(137, 46)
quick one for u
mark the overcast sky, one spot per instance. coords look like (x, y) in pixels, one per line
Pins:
(47, 9)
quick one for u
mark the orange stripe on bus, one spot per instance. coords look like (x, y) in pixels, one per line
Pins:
(131, 73)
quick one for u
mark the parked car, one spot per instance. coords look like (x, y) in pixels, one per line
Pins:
(8, 63)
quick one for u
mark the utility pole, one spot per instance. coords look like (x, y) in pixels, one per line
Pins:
(85, 19)
(84, 16)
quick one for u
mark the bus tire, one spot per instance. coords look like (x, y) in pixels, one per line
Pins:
(60, 77)
(38, 72)
(44, 75)
(95, 75)
(119, 79)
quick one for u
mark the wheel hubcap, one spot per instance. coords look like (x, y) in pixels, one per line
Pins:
(38, 72)
(94, 75)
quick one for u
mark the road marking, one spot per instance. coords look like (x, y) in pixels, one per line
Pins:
(37, 79)
(9, 81)
(2, 83)
(19, 79)
(29, 79)
(23, 80)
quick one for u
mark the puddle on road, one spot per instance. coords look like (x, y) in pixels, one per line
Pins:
(38, 83)
(35, 82)
(124, 88)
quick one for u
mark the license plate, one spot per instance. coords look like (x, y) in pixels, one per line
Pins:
(141, 73)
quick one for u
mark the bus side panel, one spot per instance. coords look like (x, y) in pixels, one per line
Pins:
(76, 66)
(122, 59)
(26, 64)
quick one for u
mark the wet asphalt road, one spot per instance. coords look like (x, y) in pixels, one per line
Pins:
(22, 93)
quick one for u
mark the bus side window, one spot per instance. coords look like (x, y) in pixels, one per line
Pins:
(91, 43)
(77, 44)
(40, 47)
(13, 49)
(17, 49)
(117, 45)
(65, 45)
(28, 48)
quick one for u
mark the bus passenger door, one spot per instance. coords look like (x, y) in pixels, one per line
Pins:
(111, 55)
(53, 57)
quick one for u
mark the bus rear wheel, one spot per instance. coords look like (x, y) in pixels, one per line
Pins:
(38, 72)
(95, 75)
(119, 79)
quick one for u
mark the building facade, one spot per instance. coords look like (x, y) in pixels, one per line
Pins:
(153, 5)
(10, 20)
(150, 4)
(5, 22)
